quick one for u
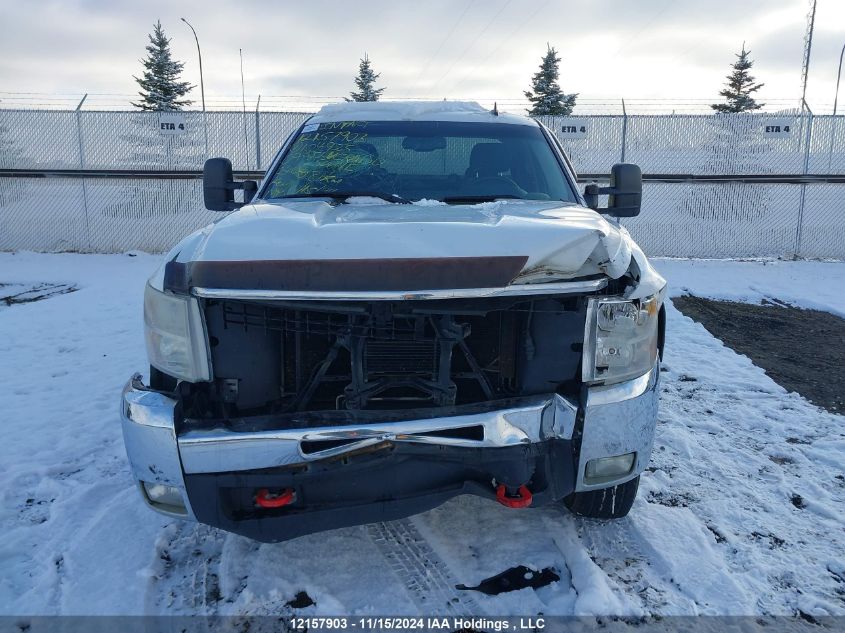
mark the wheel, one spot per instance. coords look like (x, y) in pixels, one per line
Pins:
(605, 503)
(161, 381)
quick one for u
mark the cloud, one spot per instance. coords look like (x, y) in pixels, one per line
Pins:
(611, 48)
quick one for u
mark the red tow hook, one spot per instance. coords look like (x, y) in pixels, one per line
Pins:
(522, 501)
(266, 500)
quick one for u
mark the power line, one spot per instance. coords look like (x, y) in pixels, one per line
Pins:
(503, 42)
(659, 12)
(443, 41)
(471, 44)
(698, 44)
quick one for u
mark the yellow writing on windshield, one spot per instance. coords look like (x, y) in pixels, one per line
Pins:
(335, 156)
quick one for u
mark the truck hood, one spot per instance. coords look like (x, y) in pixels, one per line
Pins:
(516, 241)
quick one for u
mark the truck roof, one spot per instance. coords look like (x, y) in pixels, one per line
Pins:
(461, 111)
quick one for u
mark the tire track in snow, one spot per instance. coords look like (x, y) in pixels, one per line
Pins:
(186, 577)
(424, 574)
(617, 550)
(598, 589)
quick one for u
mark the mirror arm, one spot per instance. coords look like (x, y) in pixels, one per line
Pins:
(250, 187)
(591, 196)
(593, 191)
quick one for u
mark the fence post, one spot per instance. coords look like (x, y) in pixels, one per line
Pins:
(257, 136)
(805, 169)
(624, 130)
(82, 166)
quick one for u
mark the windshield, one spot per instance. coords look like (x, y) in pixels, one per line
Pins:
(413, 160)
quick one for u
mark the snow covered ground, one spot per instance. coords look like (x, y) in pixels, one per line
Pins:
(741, 511)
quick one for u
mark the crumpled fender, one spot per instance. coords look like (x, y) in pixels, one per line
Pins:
(610, 256)
(649, 281)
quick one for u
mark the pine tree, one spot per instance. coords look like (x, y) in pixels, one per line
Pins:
(546, 96)
(365, 81)
(740, 85)
(160, 85)
(11, 154)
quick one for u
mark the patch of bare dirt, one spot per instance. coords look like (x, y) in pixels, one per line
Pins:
(801, 350)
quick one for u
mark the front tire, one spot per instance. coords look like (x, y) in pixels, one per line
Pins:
(606, 503)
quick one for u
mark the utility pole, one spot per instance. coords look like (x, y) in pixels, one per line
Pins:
(202, 86)
(838, 77)
(808, 45)
(243, 102)
(833, 122)
(257, 135)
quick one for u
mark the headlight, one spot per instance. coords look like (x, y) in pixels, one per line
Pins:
(176, 342)
(620, 340)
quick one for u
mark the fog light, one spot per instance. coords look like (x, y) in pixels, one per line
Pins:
(168, 498)
(605, 468)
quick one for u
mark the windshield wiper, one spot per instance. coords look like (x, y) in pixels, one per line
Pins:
(479, 198)
(343, 195)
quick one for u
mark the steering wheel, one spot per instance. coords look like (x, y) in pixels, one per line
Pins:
(492, 185)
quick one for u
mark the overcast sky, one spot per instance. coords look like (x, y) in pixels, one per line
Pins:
(482, 49)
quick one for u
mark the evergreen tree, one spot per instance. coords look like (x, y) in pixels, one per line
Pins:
(11, 154)
(11, 157)
(546, 97)
(365, 81)
(160, 85)
(740, 85)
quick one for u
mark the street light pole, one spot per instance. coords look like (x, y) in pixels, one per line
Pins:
(838, 77)
(833, 122)
(202, 86)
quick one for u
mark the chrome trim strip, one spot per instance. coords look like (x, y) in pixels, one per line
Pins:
(552, 288)
(220, 450)
(619, 392)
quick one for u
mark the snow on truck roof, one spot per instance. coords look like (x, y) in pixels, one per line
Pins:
(462, 111)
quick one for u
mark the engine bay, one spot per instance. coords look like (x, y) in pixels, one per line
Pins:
(296, 356)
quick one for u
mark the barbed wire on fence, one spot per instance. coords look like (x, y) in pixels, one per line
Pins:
(306, 103)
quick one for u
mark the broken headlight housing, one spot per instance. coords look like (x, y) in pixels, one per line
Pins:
(620, 339)
(175, 336)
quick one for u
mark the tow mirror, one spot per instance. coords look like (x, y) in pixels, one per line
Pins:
(625, 192)
(218, 186)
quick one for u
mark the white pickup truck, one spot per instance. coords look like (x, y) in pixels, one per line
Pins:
(417, 302)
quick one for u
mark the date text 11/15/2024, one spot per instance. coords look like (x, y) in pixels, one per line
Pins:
(433, 623)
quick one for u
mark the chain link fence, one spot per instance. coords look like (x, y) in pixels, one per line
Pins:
(796, 211)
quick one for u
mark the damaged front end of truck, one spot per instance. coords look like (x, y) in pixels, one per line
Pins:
(397, 355)
(305, 410)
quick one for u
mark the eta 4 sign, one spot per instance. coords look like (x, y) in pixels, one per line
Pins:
(778, 128)
(572, 127)
(171, 123)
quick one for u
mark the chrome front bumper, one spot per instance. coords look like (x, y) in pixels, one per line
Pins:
(618, 419)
